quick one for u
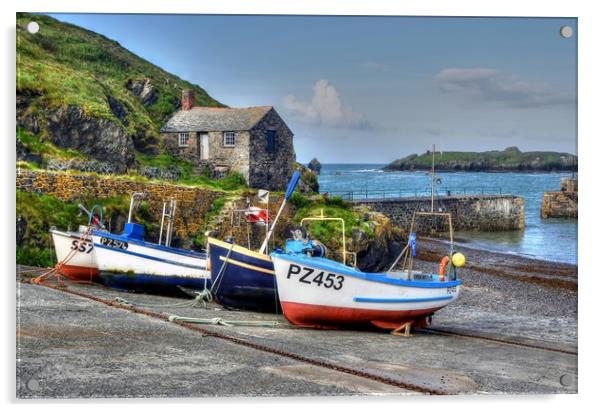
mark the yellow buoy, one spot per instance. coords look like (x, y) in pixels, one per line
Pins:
(458, 260)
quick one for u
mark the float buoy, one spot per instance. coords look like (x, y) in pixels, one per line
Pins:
(458, 260)
(442, 267)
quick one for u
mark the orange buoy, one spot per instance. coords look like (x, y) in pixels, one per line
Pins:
(442, 267)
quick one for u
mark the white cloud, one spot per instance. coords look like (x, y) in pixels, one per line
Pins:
(487, 85)
(325, 108)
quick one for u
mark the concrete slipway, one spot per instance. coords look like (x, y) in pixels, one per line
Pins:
(69, 346)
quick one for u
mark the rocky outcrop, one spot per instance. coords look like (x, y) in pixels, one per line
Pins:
(376, 253)
(315, 166)
(144, 90)
(96, 138)
(308, 183)
(24, 154)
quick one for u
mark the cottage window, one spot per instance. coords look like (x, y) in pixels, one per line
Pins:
(183, 139)
(229, 139)
(270, 138)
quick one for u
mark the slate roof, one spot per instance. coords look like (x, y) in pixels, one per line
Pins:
(215, 119)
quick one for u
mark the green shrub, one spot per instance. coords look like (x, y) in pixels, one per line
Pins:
(33, 256)
(298, 200)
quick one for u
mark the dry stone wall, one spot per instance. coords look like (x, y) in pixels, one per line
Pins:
(193, 203)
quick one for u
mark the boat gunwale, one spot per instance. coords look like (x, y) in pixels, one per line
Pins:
(148, 257)
(371, 277)
(238, 249)
(138, 242)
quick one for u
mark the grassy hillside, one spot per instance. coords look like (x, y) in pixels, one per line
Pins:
(65, 65)
(510, 159)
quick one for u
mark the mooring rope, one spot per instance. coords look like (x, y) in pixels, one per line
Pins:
(219, 277)
(223, 322)
(56, 269)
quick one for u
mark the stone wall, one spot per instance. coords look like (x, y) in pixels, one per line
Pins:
(561, 204)
(220, 158)
(192, 203)
(271, 170)
(481, 213)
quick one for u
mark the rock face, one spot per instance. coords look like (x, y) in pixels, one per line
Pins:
(144, 90)
(377, 253)
(308, 183)
(100, 139)
(315, 166)
(24, 154)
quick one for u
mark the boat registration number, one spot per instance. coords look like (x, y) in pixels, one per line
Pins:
(82, 246)
(451, 290)
(313, 277)
(118, 244)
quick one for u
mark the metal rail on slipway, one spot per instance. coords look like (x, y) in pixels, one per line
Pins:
(426, 389)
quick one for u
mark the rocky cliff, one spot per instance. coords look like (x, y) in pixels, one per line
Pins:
(79, 90)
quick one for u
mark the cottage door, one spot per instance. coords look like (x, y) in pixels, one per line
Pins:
(204, 146)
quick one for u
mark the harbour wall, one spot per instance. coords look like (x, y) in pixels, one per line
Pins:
(469, 212)
(561, 204)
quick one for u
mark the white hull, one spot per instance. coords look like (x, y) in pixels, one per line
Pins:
(316, 291)
(146, 260)
(78, 252)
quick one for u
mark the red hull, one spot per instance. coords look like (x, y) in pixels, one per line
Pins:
(80, 273)
(327, 317)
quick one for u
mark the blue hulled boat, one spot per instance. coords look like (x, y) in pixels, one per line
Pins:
(242, 278)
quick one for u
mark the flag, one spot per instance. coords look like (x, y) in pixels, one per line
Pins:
(257, 215)
(263, 196)
(412, 243)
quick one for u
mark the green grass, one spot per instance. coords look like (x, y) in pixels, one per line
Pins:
(331, 232)
(199, 241)
(35, 144)
(65, 65)
(40, 212)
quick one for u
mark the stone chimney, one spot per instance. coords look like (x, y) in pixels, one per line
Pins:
(187, 99)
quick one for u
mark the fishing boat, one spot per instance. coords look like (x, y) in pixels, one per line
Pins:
(75, 254)
(322, 293)
(76, 257)
(127, 261)
(243, 278)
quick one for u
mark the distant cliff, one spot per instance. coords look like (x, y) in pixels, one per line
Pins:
(508, 160)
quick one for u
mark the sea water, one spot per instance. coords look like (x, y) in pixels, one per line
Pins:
(549, 239)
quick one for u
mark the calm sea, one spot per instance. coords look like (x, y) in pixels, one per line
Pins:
(550, 239)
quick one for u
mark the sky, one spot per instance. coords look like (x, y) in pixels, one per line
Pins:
(373, 89)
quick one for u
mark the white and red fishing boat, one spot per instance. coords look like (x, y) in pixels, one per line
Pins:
(75, 254)
(318, 292)
(76, 257)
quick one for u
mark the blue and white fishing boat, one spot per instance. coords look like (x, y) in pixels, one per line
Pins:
(127, 261)
(318, 292)
(243, 278)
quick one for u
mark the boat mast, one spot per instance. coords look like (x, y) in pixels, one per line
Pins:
(433, 181)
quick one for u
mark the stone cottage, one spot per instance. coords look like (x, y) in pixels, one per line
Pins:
(253, 141)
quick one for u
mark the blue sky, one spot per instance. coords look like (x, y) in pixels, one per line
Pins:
(372, 89)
